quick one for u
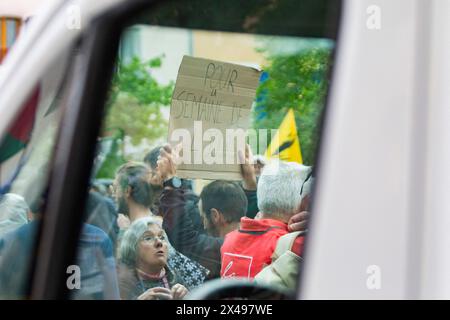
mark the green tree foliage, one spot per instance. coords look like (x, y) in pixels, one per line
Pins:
(136, 100)
(297, 81)
(134, 109)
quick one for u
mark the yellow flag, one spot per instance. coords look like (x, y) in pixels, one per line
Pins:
(285, 145)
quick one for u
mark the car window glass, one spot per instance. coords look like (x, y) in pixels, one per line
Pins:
(289, 51)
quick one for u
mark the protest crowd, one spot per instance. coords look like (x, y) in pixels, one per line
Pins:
(152, 237)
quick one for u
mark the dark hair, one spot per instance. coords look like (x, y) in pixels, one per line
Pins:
(136, 176)
(225, 196)
(151, 158)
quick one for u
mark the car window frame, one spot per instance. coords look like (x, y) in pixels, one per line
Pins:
(74, 151)
(76, 143)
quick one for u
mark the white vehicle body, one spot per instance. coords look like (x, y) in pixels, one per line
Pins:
(380, 208)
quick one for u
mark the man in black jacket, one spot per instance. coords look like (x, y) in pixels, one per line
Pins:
(191, 199)
(223, 202)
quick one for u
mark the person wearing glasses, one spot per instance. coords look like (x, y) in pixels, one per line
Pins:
(134, 194)
(143, 270)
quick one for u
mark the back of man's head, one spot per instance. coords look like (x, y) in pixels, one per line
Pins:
(226, 197)
(279, 188)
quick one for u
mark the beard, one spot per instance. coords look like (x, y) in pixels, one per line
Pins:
(122, 206)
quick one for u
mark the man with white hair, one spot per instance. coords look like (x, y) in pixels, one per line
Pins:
(247, 250)
(287, 258)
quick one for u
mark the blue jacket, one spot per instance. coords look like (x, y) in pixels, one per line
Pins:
(95, 261)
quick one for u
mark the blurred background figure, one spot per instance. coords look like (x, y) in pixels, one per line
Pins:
(101, 212)
(95, 257)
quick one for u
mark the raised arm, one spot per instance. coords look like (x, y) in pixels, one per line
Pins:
(179, 226)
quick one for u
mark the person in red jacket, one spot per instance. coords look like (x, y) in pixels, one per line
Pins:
(247, 250)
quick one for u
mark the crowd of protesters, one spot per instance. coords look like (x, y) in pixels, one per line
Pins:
(152, 237)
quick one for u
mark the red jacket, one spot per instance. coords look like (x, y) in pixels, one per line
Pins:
(247, 250)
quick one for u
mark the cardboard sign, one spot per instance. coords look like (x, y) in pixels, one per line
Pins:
(209, 113)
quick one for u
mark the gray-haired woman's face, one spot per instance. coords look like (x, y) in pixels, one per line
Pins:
(153, 248)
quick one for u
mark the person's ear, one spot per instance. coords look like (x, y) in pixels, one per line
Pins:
(216, 217)
(304, 204)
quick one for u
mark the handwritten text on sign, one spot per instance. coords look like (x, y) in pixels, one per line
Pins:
(213, 97)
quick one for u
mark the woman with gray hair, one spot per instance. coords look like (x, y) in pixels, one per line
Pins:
(144, 273)
(13, 212)
(134, 196)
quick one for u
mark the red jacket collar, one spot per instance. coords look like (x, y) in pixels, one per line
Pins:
(248, 224)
